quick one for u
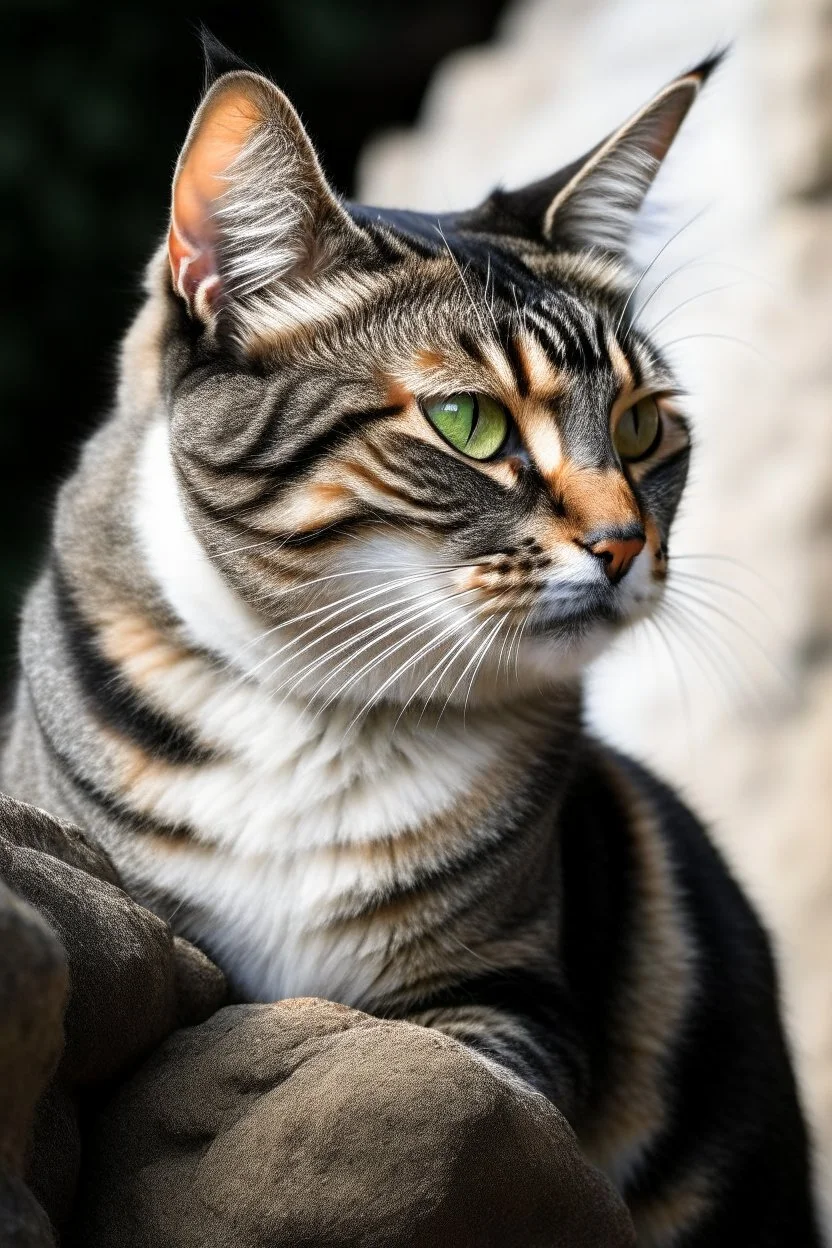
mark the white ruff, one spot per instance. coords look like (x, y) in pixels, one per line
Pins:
(292, 789)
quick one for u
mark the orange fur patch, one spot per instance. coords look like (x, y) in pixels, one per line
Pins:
(595, 499)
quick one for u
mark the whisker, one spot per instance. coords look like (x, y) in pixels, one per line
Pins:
(337, 607)
(377, 659)
(424, 650)
(490, 303)
(705, 603)
(653, 622)
(656, 258)
(721, 655)
(710, 663)
(445, 664)
(489, 642)
(465, 286)
(424, 681)
(718, 558)
(742, 342)
(697, 579)
(702, 294)
(700, 261)
(357, 599)
(467, 667)
(404, 618)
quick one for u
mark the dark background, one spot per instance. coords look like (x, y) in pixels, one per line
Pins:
(96, 109)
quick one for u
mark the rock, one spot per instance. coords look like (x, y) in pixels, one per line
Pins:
(22, 1220)
(54, 1159)
(121, 1000)
(26, 825)
(125, 983)
(200, 986)
(33, 989)
(311, 1125)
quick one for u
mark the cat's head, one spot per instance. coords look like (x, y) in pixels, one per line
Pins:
(435, 455)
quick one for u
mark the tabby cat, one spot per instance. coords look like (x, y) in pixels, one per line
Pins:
(306, 657)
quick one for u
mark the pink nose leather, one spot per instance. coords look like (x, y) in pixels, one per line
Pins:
(617, 554)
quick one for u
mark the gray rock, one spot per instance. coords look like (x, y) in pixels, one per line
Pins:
(33, 989)
(90, 983)
(305, 1124)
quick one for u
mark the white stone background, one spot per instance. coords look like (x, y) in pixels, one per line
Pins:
(740, 717)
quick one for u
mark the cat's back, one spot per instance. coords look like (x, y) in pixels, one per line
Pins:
(666, 953)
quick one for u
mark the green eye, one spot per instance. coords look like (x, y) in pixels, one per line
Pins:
(474, 424)
(639, 430)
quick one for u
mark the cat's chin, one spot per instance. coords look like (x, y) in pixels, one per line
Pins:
(548, 656)
(559, 645)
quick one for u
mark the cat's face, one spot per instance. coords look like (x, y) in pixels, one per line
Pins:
(434, 455)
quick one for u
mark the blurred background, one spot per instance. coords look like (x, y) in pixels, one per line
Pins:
(429, 104)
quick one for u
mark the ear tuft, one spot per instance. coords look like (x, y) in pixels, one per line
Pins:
(709, 64)
(218, 58)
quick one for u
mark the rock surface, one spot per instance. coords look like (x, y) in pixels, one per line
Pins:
(310, 1125)
(90, 983)
(33, 990)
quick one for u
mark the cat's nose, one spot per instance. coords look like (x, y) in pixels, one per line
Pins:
(616, 551)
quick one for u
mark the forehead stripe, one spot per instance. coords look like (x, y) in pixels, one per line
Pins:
(573, 317)
(546, 334)
(517, 360)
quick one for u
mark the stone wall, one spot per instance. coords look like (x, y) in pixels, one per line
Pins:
(732, 696)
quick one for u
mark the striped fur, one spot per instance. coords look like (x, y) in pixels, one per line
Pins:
(313, 676)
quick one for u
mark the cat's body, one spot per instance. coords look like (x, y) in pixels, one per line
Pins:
(394, 804)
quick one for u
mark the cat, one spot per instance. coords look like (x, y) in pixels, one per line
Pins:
(306, 655)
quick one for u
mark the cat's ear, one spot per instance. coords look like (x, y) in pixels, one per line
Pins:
(594, 201)
(251, 205)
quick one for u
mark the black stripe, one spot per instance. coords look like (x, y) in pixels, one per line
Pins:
(587, 355)
(518, 365)
(553, 348)
(265, 438)
(470, 346)
(417, 231)
(222, 513)
(110, 695)
(112, 806)
(602, 355)
(390, 248)
(341, 528)
(297, 465)
(732, 1101)
(569, 345)
(306, 457)
(635, 369)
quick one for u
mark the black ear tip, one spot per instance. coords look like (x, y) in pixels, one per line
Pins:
(705, 68)
(218, 58)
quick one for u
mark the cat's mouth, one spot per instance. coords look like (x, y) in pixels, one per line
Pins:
(574, 619)
(575, 614)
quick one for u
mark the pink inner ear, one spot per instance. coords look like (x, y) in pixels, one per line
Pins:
(193, 266)
(219, 132)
